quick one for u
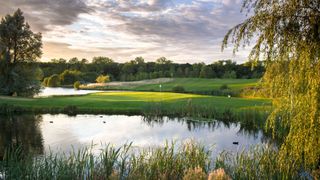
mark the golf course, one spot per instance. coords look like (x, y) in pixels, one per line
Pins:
(160, 89)
(132, 101)
(189, 84)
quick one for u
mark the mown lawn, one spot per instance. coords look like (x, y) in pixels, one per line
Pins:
(191, 85)
(199, 84)
(133, 101)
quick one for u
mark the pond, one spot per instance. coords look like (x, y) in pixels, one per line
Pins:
(62, 133)
(55, 91)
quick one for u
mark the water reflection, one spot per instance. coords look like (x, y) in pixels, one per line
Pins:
(21, 131)
(55, 91)
(247, 129)
(41, 133)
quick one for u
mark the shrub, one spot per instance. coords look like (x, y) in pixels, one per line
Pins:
(224, 87)
(178, 89)
(103, 79)
(76, 85)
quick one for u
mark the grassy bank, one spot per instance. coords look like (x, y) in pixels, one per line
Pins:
(189, 161)
(190, 85)
(132, 103)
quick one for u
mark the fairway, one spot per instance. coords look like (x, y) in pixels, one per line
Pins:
(189, 84)
(132, 101)
(199, 84)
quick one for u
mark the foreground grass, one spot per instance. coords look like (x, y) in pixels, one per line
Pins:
(132, 102)
(189, 161)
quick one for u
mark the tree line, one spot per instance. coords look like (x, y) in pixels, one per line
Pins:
(139, 69)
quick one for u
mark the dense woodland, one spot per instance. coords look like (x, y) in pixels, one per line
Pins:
(137, 69)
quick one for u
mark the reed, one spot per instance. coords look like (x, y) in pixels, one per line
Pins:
(186, 161)
(119, 163)
(259, 162)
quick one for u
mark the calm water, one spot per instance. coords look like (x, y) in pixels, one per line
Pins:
(50, 91)
(61, 133)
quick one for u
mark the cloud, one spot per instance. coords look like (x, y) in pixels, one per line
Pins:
(41, 13)
(182, 30)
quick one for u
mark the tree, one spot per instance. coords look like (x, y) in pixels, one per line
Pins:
(229, 75)
(163, 60)
(53, 81)
(84, 61)
(89, 77)
(18, 46)
(187, 72)
(103, 79)
(196, 68)
(206, 72)
(74, 60)
(288, 39)
(45, 81)
(179, 72)
(61, 61)
(68, 77)
(139, 60)
(102, 60)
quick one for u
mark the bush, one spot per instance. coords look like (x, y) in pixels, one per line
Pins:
(103, 79)
(53, 81)
(76, 85)
(224, 87)
(178, 89)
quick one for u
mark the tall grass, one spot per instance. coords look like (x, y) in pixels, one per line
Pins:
(188, 161)
(168, 162)
(259, 163)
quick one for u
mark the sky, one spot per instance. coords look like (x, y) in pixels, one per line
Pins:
(180, 30)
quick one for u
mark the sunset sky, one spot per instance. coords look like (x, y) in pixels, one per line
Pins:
(181, 30)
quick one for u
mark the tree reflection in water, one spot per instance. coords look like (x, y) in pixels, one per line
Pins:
(25, 131)
(21, 131)
(248, 128)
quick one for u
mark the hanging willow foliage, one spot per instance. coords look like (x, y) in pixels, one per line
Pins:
(287, 34)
